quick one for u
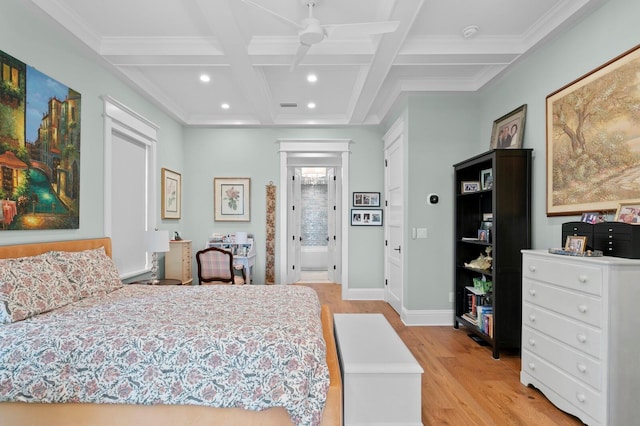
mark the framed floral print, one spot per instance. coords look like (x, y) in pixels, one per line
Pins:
(171, 194)
(232, 199)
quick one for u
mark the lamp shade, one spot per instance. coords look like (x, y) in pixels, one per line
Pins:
(241, 238)
(158, 241)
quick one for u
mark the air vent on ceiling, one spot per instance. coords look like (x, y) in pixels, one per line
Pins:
(288, 105)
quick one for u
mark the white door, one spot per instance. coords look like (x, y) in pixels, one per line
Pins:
(394, 212)
(294, 234)
(332, 217)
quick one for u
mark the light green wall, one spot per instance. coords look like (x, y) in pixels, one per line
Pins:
(254, 153)
(441, 130)
(600, 37)
(26, 34)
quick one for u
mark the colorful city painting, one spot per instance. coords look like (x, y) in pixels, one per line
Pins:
(39, 149)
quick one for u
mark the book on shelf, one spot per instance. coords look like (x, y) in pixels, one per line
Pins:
(473, 320)
(482, 312)
(489, 325)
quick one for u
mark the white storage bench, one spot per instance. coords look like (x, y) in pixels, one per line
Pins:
(381, 378)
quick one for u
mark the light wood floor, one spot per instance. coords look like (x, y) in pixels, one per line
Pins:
(462, 384)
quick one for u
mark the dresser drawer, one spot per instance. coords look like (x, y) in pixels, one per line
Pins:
(574, 363)
(581, 336)
(577, 394)
(564, 274)
(575, 305)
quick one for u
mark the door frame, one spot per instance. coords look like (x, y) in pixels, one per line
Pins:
(395, 138)
(338, 148)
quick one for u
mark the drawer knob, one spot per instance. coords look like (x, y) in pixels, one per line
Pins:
(532, 291)
(532, 341)
(582, 338)
(532, 366)
(583, 278)
(582, 309)
(532, 268)
(532, 318)
(582, 368)
(581, 397)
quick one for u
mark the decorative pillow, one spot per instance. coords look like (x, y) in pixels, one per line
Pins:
(32, 285)
(92, 272)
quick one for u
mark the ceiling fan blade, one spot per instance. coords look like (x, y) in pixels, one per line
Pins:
(339, 31)
(302, 51)
(272, 13)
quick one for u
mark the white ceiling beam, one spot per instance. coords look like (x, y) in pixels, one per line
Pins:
(222, 23)
(405, 11)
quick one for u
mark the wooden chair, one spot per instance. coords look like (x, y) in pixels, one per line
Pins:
(215, 265)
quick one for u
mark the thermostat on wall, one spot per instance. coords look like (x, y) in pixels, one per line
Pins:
(433, 198)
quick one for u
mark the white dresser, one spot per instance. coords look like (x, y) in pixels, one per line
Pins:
(580, 334)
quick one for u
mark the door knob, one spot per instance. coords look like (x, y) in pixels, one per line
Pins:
(397, 249)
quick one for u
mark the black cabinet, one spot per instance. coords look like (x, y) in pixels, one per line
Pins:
(501, 204)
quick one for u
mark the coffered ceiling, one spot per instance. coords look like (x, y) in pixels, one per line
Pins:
(247, 49)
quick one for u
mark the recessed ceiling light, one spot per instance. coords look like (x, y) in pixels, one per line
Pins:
(205, 78)
(470, 31)
(224, 105)
(311, 105)
(312, 78)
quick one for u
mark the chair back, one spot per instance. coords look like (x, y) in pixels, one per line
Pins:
(215, 265)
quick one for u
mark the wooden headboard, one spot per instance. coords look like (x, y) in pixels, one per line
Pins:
(33, 249)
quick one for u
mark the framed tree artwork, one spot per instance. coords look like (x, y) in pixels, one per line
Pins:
(592, 139)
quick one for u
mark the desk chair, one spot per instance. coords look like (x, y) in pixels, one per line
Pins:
(215, 266)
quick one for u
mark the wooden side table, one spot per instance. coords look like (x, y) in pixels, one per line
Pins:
(168, 281)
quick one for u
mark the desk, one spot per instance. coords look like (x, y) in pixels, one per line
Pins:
(247, 262)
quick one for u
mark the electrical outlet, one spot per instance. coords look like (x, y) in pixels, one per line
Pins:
(422, 233)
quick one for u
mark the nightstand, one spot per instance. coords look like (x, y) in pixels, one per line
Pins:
(177, 261)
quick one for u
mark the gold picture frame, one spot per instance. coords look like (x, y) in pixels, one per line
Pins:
(628, 213)
(171, 194)
(232, 199)
(575, 244)
(591, 132)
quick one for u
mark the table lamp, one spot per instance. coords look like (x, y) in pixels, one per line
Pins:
(157, 241)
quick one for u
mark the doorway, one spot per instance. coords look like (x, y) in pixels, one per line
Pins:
(317, 198)
(333, 155)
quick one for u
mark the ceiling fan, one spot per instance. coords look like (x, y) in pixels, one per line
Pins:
(311, 31)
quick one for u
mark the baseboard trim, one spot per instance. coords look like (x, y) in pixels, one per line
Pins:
(436, 317)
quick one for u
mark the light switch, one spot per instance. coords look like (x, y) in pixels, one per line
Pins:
(422, 232)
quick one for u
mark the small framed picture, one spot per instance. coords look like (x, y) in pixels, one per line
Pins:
(231, 199)
(575, 244)
(171, 194)
(366, 199)
(592, 217)
(486, 179)
(366, 217)
(508, 130)
(470, 186)
(628, 213)
(483, 235)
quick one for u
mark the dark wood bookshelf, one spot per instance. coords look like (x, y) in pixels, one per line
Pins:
(508, 200)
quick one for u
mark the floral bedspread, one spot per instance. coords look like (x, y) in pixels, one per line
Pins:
(253, 347)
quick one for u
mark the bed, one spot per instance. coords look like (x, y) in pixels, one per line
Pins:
(195, 401)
